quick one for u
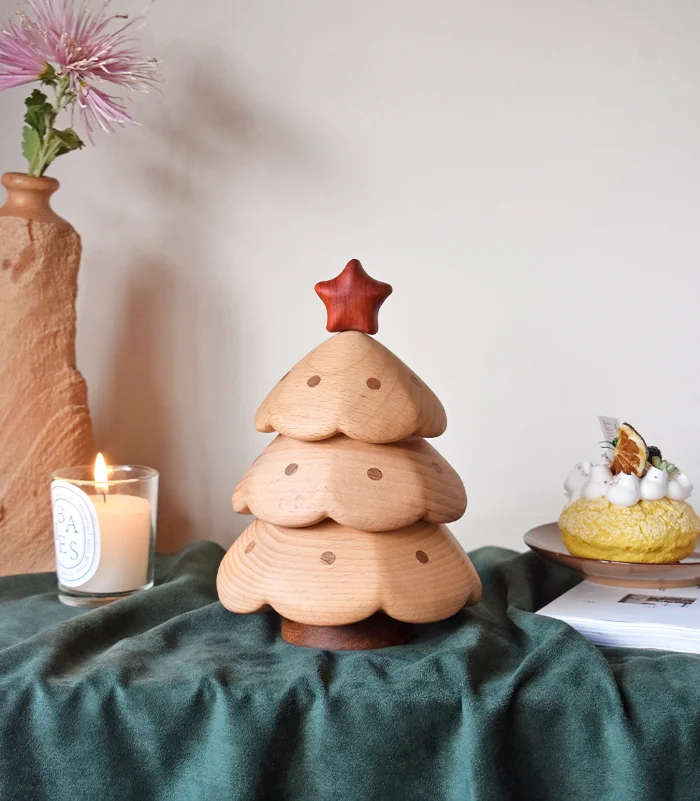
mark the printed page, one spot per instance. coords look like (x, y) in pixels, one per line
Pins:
(670, 607)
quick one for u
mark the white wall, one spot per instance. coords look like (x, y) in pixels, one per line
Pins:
(526, 175)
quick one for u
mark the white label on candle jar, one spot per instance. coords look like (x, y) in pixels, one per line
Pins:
(76, 534)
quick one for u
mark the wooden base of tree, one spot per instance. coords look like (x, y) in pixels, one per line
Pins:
(378, 631)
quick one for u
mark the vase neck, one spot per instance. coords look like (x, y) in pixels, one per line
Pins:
(29, 197)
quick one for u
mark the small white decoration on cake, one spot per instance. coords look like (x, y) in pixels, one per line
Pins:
(576, 480)
(654, 485)
(598, 483)
(636, 472)
(624, 490)
(679, 487)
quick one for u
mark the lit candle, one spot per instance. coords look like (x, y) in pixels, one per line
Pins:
(125, 534)
(104, 532)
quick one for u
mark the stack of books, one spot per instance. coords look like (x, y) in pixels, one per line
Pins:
(667, 620)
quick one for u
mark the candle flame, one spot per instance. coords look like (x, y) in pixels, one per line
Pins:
(101, 474)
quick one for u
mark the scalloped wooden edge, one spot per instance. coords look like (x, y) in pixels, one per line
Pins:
(330, 575)
(358, 484)
(351, 384)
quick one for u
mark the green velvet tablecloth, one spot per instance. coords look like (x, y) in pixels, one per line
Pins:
(167, 696)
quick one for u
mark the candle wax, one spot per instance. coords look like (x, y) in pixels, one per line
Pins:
(125, 536)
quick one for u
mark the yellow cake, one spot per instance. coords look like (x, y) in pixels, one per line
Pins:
(632, 508)
(649, 531)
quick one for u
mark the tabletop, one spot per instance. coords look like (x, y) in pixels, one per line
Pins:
(166, 695)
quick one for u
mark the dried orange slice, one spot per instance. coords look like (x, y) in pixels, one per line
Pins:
(630, 454)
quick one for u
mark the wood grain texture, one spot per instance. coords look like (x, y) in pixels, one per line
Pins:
(331, 575)
(378, 631)
(351, 384)
(358, 484)
(44, 418)
(352, 299)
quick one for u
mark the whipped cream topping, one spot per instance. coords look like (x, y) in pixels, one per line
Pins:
(592, 481)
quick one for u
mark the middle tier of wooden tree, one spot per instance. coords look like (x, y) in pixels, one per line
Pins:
(358, 484)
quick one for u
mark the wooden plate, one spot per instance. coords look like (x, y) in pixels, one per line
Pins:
(546, 541)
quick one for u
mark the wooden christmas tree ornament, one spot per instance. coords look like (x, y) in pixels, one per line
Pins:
(349, 545)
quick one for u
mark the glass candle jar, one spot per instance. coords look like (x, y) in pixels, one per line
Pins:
(104, 521)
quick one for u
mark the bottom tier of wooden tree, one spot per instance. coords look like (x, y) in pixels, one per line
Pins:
(340, 587)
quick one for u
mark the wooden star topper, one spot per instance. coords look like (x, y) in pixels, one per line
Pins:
(352, 299)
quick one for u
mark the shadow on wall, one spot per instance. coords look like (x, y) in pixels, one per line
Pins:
(175, 382)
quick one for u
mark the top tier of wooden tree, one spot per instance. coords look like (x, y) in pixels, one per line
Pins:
(352, 385)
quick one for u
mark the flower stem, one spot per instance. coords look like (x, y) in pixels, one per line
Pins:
(61, 90)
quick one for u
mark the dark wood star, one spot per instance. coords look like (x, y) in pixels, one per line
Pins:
(352, 299)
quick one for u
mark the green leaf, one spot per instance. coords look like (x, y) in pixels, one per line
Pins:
(39, 112)
(58, 144)
(42, 143)
(31, 147)
(36, 120)
(37, 98)
(69, 140)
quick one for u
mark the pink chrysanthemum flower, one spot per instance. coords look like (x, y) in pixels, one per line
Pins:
(87, 48)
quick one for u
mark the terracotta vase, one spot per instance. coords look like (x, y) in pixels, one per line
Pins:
(44, 417)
